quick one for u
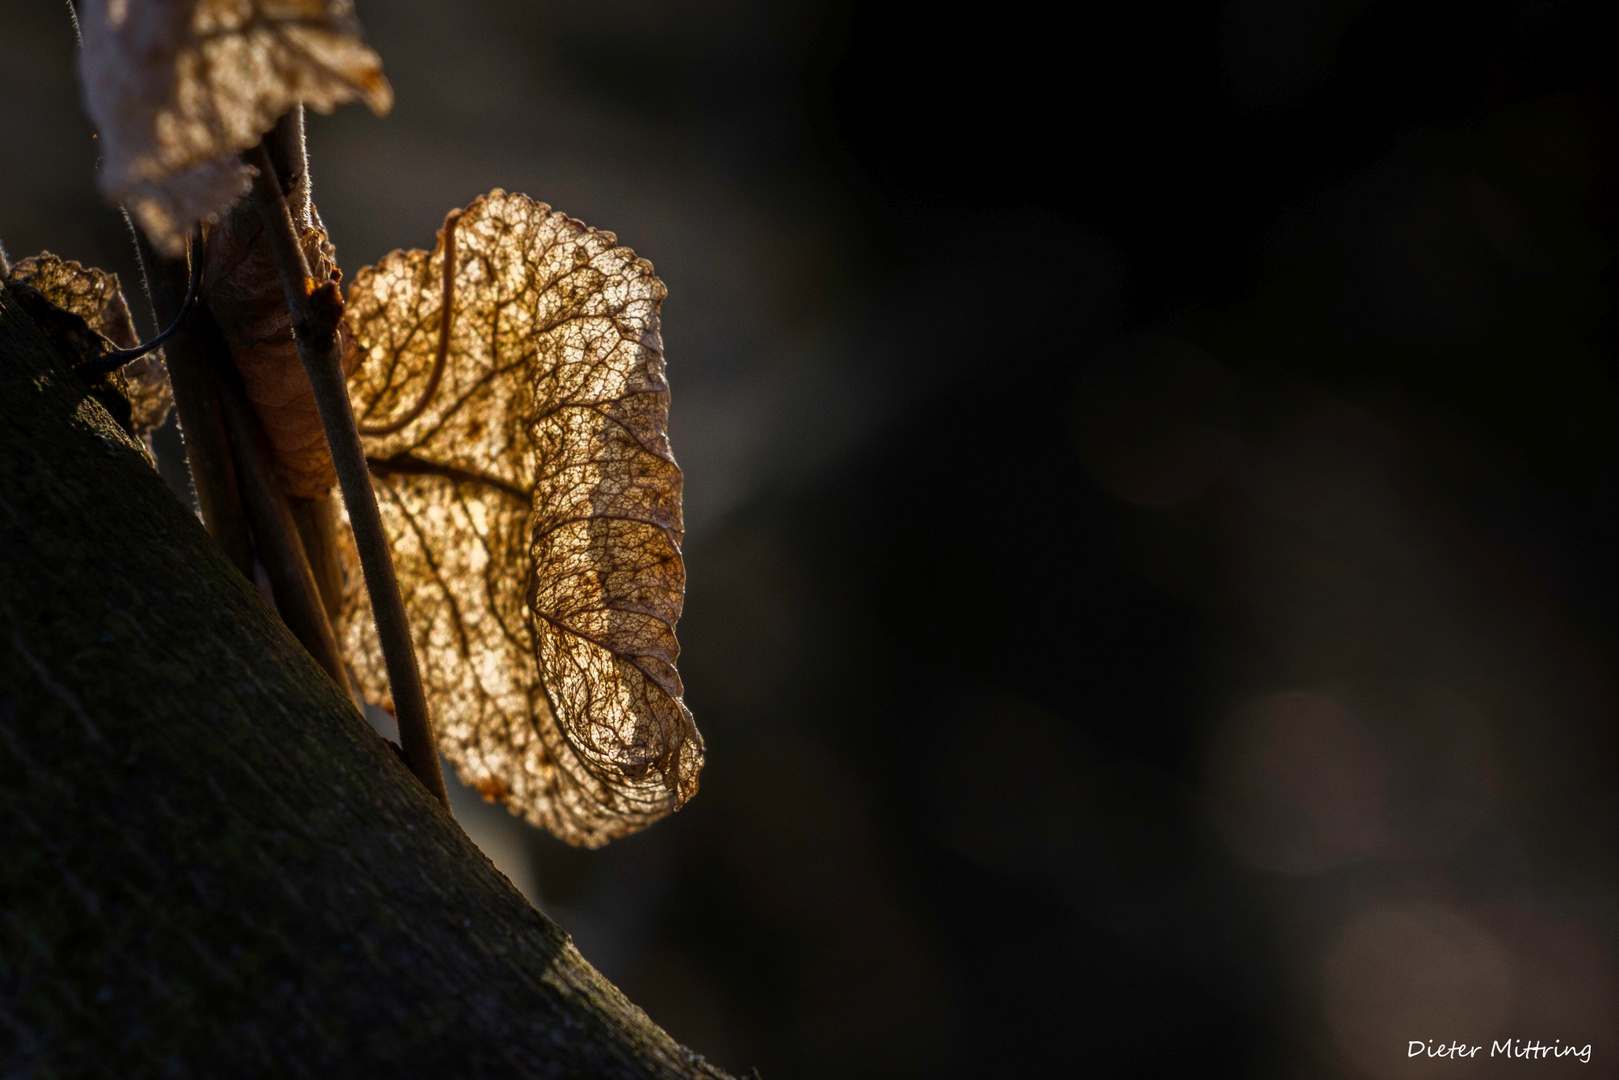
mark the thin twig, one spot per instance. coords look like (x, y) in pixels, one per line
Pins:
(317, 526)
(276, 539)
(196, 398)
(111, 361)
(316, 309)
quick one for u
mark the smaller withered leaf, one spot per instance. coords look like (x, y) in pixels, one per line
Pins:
(95, 296)
(177, 88)
(244, 295)
(527, 484)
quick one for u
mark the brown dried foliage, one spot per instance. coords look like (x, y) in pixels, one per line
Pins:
(95, 296)
(534, 508)
(177, 88)
(245, 296)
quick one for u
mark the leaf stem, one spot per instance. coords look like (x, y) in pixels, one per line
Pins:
(317, 526)
(316, 309)
(196, 398)
(117, 358)
(275, 533)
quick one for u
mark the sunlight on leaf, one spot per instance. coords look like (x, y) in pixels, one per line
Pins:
(94, 296)
(177, 88)
(534, 509)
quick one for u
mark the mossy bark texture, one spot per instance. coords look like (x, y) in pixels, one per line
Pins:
(209, 864)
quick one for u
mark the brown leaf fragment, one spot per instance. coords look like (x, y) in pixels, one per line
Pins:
(534, 507)
(244, 294)
(177, 88)
(95, 296)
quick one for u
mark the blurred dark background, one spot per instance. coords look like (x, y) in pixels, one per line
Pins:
(1151, 495)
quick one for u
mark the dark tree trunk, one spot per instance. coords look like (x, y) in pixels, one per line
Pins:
(209, 864)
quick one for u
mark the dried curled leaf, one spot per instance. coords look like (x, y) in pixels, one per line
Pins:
(177, 88)
(95, 296)
(534, 509)
(245, 297)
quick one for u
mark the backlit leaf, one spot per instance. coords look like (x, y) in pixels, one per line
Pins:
(94, 296)
(177, 88)
(534, 509)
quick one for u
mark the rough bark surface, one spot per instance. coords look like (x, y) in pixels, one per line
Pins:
(211, 865)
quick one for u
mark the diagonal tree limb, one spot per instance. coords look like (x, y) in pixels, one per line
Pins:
(212, 866)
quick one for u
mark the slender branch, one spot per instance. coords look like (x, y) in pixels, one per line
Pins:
(446, 315)
(196, 398)
(111, 361)
(316, 309)
(290, 156)
(277, 540)
(317, 525)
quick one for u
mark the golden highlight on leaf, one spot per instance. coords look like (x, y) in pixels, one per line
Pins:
(95, 296)
(534, 507)
(177, 88)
